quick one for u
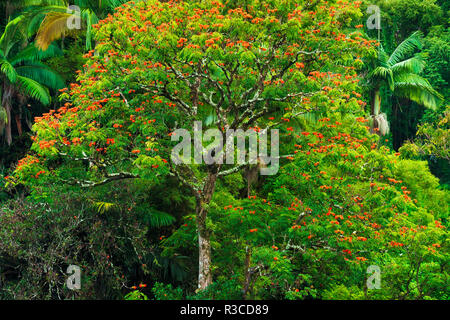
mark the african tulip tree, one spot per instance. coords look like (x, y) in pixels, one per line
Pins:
(162, 66)
(338, 206)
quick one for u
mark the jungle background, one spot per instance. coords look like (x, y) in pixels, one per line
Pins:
(136, 239)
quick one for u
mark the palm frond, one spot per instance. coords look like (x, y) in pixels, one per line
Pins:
(33, 24)
(13, 31)
(8, 70)
(34, 14)
(382, 58)
(29, 3)
(102, 6)
(411, 65)
(383, 73)
(52, 28)
(42, 74)
(111, 4)
(406, 48)
(32, 54)
(379, 72)
(33, 89)
(417, 89)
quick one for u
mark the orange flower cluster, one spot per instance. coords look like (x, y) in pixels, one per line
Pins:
(28, 160)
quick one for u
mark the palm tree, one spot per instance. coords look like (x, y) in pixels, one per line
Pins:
(55, 15)
(22, 74)
(399, 72)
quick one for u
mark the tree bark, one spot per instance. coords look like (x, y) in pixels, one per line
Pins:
(8, 134)
(247, 271)
(204, 235)
(375, 110)
(9, 8)
(6, 103)
(18, 116)
(376, 102)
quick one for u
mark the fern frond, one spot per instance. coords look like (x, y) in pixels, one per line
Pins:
(158, 219)
(103, 207)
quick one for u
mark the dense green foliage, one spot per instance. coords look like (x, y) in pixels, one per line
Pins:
(93, 185)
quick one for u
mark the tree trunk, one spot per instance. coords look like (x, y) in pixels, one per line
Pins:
(204, 241)
(8, 133)
(204, 258)
(247, 272)
(399, 130)
(6, 103)
(19, 124)
(376, 103)
(9, 8)
(21, 102)
(375, 110)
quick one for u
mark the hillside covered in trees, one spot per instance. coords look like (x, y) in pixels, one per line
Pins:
(314, 139)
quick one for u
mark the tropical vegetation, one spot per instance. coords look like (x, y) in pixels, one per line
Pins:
(354, 206)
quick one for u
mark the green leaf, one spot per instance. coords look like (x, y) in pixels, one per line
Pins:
(42, 74)
(406, 48)
(417, 89)
(8, 70)
(34, 89)
(33, 54)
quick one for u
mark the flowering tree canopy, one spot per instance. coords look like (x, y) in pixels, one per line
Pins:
(158, 67)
